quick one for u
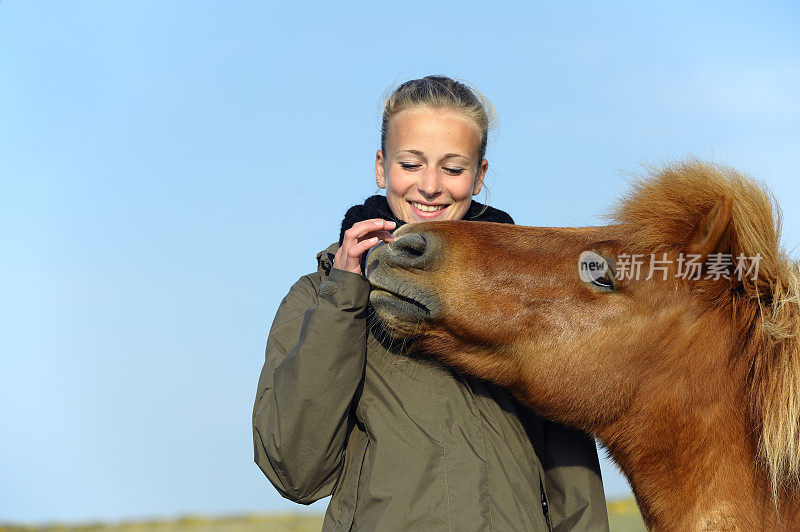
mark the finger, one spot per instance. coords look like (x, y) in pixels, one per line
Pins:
(357, 250)
(381, 223)
(386, 236)
(360, 229)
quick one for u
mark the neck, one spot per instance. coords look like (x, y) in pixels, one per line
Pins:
(691, 466)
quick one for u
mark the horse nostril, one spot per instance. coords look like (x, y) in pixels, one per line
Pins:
(411, 246)
(413, 250)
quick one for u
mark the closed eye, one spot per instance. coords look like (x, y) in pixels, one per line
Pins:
(409, 166)
(453, 171)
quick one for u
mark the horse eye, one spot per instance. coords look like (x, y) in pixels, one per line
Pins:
(604, 282)
(595, 269)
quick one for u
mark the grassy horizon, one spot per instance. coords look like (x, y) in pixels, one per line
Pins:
(623, 515)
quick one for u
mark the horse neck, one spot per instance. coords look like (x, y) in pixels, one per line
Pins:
(689, 453)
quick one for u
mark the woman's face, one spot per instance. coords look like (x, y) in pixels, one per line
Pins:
(431, 168)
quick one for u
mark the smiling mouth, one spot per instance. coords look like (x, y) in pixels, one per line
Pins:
(427, 208)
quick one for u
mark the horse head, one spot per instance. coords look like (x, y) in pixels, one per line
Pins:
(672, 334)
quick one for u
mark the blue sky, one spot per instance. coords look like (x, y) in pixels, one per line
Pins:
(168, 169)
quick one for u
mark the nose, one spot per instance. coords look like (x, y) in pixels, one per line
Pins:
(417, 251)
(430, 184)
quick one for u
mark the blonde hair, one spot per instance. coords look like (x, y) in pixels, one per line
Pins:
(440, 92)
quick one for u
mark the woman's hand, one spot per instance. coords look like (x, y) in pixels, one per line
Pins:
(358, 239)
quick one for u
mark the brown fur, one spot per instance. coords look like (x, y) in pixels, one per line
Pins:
(693, 385)
(661, 212)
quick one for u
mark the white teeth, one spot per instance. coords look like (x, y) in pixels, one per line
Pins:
(427, 208)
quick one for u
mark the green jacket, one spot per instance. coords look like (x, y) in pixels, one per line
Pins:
(402, 443)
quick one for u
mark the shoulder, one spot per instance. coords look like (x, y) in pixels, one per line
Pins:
(325, 258)
(304, 292)
(308, 285)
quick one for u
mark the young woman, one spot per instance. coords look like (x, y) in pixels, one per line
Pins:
(403, 443)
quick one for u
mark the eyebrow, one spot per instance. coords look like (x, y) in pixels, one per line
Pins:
(446, 155)
(414, 152)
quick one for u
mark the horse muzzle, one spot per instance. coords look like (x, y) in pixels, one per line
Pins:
(398, 272)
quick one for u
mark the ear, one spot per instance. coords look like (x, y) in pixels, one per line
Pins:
(380, 170)
(478, 185)
(712, 234)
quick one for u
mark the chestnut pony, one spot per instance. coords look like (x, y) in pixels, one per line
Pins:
(691, 381)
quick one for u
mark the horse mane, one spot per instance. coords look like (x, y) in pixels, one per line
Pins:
(662, 213)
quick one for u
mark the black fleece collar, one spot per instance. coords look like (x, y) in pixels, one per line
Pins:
(377, 207)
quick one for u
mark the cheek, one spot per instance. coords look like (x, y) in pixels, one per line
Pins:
(462, 189)
(398, 183)
(394, 188)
